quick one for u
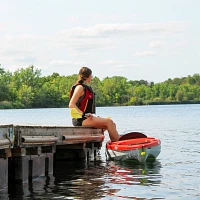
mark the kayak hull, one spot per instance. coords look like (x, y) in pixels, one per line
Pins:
(140, 149)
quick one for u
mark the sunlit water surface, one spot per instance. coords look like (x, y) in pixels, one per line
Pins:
(174, 175)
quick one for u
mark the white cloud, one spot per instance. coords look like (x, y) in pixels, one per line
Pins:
(108, 30)
(106, 36)
(72, 19)
(114, 17)
(79, 43)
(16, 51)
(2, 25)
(13, 68)
(156, 44)
(66, 62)
(23, 44)
(82, 46)
(27, 39)
(118, 65)
(9, 27)
(83, 39)
(3, 8)
(114, 62)
(145, 53)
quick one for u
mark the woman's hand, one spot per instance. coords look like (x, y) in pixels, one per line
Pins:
(89, 116)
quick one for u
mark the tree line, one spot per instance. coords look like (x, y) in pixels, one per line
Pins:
(26, 88)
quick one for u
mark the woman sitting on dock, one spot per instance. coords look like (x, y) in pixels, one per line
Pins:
(83, 99)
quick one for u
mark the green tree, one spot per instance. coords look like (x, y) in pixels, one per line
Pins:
(4, 84)
(172, 91)
(25, 96)
(97, 88)
(179, 95)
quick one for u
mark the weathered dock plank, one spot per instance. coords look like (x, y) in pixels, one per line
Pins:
(61, 135)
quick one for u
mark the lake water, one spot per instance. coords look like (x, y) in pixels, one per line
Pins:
(174, 175)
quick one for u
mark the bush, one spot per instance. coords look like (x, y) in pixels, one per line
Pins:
(6, 105)
(18, 104)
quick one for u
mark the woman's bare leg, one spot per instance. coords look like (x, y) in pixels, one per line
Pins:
(106, 123)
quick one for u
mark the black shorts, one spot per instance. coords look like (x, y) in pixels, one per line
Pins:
(78, 122)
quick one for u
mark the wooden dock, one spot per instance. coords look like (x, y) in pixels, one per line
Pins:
(29, 151)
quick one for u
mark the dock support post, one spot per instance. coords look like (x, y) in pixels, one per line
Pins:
(28, 167)
(3, 173)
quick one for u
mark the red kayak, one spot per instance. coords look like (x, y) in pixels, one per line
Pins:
(134, 145)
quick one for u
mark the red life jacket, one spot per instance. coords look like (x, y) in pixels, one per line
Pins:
(86, 103)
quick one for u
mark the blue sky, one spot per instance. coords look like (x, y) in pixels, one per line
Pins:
(151, 40)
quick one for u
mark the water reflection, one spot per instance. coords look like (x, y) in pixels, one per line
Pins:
(132, 173)
(130, 176)
(89, 180)
(79, 180)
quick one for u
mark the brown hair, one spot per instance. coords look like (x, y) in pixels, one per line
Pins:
(84, 73)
